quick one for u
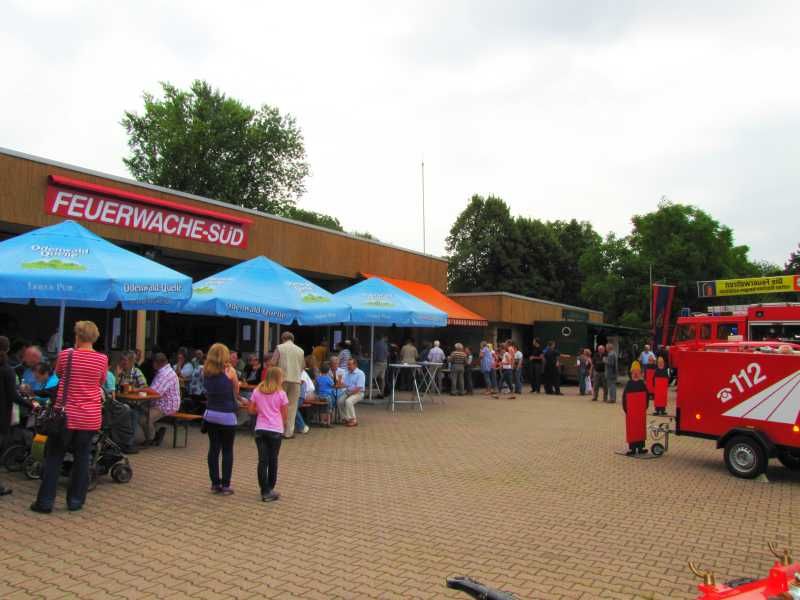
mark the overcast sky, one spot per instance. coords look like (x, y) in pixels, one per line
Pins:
(565, 109)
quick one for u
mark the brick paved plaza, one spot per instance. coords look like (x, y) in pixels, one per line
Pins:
(524, 494)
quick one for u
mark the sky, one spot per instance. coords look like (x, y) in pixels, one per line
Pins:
(565, 109)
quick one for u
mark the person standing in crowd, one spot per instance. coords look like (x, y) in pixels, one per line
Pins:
(354, 381)
(660, 387)
(634, 403)
(8, 397)
(320, 351)
(458, 361)
(165, 384)
(436, 355)
(81, 372)
(487, 368)
(552, 374)
(599, 369)
(612, 369)
(380, 359)
(408, 353)
(220, 417)
(344, 355)
(408, 356)
(291, 359)
(537, 366)
(270, 405)
(507, 368)
(518, 359)
(584, 367)
(468, 383)
(645, 356)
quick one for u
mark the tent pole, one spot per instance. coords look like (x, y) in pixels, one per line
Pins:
(60, 343)
(258, 341)
(371, 358)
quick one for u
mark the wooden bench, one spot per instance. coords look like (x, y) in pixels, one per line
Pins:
(315, 408)
(177, 420)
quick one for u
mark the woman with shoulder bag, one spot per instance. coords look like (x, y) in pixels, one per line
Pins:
(82, 373)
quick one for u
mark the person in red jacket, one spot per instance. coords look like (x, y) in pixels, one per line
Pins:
(649, 375)
(660, 387)
(634, 403)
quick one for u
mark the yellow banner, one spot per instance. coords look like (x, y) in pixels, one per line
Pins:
(750, 285)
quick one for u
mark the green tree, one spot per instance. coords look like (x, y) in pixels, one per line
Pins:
(477, 247)
(314, 218)
(203, 142)
(792, 266)
(575, 239)
(682, 244)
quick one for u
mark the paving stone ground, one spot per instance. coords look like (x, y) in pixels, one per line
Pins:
(525, 494)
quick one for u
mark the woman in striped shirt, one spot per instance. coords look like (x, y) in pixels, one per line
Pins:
(82, 373)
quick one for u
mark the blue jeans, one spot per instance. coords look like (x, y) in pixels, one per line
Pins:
(489, 380)
(299, 422)
(518, 380)
(508, 379)
(80, 442)
(582, 381)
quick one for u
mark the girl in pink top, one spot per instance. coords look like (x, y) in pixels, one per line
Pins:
(269, 403)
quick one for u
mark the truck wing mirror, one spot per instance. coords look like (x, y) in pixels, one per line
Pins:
(783, 556)
(707, 576)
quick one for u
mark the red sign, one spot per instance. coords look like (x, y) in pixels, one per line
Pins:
(74, 199)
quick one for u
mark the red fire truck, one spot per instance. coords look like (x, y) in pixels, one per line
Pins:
(746, 396)
(759, 322)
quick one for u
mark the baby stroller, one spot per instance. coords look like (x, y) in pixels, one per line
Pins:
(107, 457)
(18, 446)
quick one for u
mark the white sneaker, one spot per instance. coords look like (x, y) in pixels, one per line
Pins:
(306, 429)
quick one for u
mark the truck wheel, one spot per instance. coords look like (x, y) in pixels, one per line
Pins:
(789, 459)
(745, 457)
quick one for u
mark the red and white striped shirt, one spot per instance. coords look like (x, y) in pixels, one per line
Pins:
(85, 395)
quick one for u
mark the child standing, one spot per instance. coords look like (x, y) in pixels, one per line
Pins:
(326, 391)
(269, 403)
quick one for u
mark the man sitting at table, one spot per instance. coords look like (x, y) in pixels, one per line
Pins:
(167, 385)
(128, 374)
(353, 393)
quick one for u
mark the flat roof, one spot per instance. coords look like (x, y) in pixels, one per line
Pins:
(528, 298)
(249, 211)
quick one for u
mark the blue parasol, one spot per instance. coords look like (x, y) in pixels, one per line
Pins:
(68, 265)
(378, 302)
(263, 290)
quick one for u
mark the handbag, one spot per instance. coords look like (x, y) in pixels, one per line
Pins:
(52, 420)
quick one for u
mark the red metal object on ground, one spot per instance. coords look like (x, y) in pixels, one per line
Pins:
(783, 581)
(746, 396)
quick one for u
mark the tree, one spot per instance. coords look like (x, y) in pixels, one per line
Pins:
(202, 142)
(314, 218)
(682, 244)
(575, 240)
(477, 247)
(793, 264)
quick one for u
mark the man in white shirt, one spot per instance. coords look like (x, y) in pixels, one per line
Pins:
(354, 381)
(436, 355)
